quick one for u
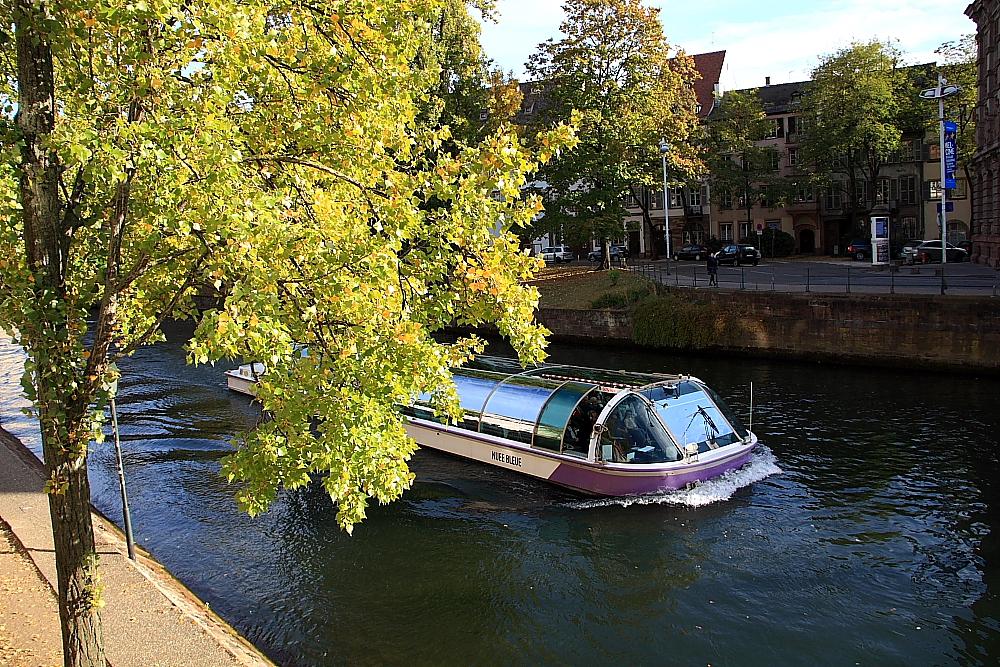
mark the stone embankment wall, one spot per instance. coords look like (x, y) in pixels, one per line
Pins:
(938, 332)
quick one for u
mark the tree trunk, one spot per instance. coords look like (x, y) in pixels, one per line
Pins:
(73, 535)
(605, 254)
(50, 337)
(647, 222)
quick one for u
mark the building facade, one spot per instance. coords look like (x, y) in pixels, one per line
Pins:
(986, 162)
(821, 221)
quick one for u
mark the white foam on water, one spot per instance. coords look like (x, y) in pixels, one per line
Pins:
(762, 464)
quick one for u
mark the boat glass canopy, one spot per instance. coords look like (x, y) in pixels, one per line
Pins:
(633, 433)
(557, 408)
(512, 410)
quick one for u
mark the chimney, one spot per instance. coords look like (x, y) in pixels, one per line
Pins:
(767, 81)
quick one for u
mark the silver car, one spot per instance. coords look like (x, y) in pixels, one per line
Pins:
(930, 251)
(557, 254)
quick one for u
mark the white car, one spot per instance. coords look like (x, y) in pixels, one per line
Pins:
(557, 254)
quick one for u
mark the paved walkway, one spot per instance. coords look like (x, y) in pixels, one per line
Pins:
(150, 619)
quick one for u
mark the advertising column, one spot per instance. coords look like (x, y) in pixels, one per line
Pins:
(880, 240)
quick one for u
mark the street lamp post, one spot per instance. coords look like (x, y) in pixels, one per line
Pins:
(664, 149)
(942, 91)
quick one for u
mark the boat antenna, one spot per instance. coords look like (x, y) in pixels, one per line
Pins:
(751, 407)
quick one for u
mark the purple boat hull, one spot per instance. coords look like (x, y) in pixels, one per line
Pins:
(605, 482)
(587, 476)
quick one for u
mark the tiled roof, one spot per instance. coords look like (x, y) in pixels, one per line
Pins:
(709, 65)
(782, 97)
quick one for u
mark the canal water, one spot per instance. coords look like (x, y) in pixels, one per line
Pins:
(865, 532)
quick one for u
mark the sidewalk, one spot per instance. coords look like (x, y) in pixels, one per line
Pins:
(150, 619)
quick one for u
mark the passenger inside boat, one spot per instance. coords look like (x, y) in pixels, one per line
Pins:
(634, 434)
(581, 423)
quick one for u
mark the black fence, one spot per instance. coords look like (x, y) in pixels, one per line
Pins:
(955, 279)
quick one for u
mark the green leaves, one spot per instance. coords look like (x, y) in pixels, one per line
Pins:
(858, 106)
(268, 164)
(743, 172)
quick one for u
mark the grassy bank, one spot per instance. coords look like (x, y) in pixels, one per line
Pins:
(660, 316)
(579, 289)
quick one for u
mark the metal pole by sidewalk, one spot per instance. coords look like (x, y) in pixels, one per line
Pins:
(944, 190)
(126, 515)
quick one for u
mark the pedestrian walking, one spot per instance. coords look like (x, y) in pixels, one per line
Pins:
(713, 270)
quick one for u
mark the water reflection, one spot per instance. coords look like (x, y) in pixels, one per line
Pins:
(884, 520)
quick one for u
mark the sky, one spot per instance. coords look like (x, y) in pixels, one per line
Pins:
(780, 39)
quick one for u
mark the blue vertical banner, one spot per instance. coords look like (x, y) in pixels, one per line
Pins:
(950, 155)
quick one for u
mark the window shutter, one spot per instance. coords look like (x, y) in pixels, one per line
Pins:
(791, 125)
(780, 123)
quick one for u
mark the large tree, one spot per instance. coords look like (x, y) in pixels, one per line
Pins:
(614, 73)
(860, 102)
(744, 170)
(470, 95)
(152, 149)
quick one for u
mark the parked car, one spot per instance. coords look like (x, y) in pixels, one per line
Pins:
(617, 253)
(695, 252)
(907, 248)
(930, 251)
(739, 254)
(557, 254)
(860, 249)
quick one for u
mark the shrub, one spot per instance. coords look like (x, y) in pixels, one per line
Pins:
(671, 320)
(623, 299)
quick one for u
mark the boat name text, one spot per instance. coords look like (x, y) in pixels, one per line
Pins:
(507, 458)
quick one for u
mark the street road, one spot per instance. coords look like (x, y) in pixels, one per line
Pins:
(831, 276)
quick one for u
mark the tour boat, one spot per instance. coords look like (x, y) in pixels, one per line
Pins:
(599, 432)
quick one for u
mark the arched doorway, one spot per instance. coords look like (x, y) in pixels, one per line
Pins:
(807, 242)
(958, 232)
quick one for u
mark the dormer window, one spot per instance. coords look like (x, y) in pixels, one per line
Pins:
(484, 115)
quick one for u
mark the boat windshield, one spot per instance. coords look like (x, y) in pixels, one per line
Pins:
(694, 418)
(634, 434)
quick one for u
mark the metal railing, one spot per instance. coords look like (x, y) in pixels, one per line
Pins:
(956, 279)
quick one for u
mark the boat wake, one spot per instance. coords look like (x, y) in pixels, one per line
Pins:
(762, 464)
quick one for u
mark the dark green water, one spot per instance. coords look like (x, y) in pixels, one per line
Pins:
(876, 544)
